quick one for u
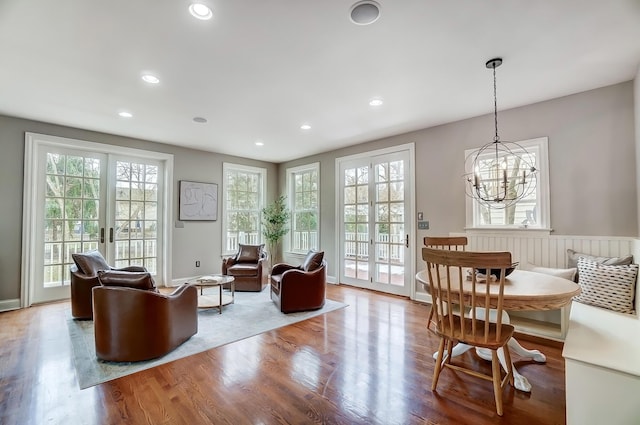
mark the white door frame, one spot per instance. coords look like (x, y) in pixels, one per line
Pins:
(34, 142)
(409, 212)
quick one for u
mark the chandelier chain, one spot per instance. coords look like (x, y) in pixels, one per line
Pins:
(495, 104)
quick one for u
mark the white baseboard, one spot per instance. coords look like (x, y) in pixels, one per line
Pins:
(422, 297)
(7, 305)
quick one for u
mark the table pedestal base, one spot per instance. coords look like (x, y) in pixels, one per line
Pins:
(519, 382)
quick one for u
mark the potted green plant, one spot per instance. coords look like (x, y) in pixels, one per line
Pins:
(274, 225)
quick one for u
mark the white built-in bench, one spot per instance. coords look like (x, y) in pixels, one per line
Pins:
(602, 367)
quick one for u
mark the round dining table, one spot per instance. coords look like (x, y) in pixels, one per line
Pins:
(523, 290)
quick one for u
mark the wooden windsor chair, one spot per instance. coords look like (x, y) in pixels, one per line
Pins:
(460, 307)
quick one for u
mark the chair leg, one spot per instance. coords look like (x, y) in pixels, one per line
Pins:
(448, 350)
(497, 380)
(507, 357)
(430, 318)
(438, 368)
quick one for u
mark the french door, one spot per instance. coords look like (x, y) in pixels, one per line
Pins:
(375, 225)
(84, 199)
(71, 212)
(133, 234)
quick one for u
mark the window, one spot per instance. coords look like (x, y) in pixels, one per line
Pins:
(531, 212)
(244, 194)
(304, 194)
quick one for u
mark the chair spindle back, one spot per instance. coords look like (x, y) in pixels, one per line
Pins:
(452, 292)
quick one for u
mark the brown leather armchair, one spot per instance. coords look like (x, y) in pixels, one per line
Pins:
(84, 276)
(247, 268)
(133, 325)
(300, 288)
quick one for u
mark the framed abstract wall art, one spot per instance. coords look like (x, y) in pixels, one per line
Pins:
(198, 201)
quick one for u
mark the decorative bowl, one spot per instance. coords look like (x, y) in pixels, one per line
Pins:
(498, 272)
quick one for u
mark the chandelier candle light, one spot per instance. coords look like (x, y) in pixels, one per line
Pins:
(500, 174)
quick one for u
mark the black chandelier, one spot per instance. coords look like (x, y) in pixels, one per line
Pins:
(499, 174)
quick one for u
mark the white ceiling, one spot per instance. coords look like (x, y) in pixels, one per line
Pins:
(261, 68)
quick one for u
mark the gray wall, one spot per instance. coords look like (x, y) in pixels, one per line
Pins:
(591, 155)
(195, 241)
(636, 98)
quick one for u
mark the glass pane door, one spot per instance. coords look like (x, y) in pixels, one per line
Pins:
(356, 214)
(81, 196)
(390, 238)
(374, 236)
(136, 215)
(94, 201)
(72, 215)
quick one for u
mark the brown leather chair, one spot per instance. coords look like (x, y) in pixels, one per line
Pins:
(133, 324)
(247, 268)
(300, 288)
(84, 276)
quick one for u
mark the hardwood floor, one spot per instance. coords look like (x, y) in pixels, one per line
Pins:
(369, 363)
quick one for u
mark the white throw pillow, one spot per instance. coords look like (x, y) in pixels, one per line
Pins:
(569, 274)
(610, 287)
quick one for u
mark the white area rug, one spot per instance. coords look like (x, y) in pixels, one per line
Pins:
(252, 313)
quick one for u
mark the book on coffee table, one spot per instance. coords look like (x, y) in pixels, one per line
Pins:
(208, 278)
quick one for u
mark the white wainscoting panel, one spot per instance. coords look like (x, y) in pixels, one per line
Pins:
(535, 249)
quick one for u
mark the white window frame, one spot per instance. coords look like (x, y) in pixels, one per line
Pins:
(291, 199)
(230, 167)
(540, 145)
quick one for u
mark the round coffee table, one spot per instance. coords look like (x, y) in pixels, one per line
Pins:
(215, 300)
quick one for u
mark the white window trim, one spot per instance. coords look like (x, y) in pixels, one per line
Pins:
(226, 167)
(315, 166)
(544, 194)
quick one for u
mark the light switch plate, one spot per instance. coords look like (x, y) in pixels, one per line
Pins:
(424, 225)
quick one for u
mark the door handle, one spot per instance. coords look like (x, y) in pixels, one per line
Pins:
(110, 234)
(102, 235)
(406, 241)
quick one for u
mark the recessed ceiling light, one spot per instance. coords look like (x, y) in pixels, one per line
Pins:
(199, 120)
(151, 79)
(305, 127)
(259, 143)
(125, 114)
(364, 12)
(200, 11)
(376, 102)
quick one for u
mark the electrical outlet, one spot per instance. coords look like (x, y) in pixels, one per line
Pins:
(197, 263)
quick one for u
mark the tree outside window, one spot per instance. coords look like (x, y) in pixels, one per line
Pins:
(304, 195)
(244, 190)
